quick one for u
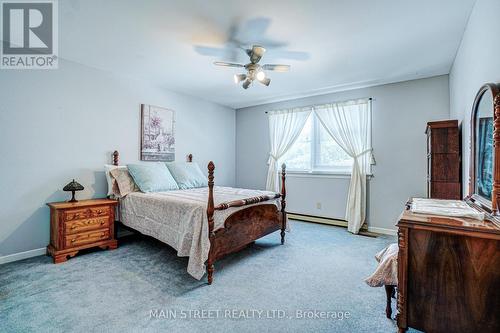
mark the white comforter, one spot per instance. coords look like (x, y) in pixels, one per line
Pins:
(179, 218)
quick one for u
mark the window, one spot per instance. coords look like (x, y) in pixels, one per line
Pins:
(316, 151)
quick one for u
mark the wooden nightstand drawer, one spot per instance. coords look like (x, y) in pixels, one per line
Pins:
(77, 226)
(87, 237)
(76, 214)
(99, 211)
(80, 214)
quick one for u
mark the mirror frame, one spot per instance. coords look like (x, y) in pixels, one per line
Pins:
(478, 202)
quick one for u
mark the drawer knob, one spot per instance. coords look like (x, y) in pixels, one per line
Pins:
(73, 240)
(73, 226)
(102, 222)
(99, 211)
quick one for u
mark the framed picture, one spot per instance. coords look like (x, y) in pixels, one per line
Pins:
(157, 134)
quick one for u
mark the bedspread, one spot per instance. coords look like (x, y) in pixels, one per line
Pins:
(179, 219)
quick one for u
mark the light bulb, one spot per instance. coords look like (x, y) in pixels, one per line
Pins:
(261, 76)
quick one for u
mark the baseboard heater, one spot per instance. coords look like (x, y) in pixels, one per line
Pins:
(323, 220)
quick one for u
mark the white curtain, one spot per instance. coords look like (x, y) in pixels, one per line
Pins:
(349, 125)
(284, 129)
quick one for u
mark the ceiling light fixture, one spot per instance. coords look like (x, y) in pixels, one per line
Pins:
(254, 70)
(239, 77)
(246, 84)
(265, 81)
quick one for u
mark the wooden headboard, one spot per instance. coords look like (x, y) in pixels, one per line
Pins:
(116, 158)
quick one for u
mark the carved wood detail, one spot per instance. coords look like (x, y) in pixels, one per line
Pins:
(116, 157)
(245, 202)
(283, 203)
(473, 198)
(402, 260)
(210, 215)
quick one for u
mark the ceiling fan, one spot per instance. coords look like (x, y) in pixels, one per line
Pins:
(254, 70)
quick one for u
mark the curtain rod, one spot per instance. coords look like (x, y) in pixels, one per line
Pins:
(307, 106)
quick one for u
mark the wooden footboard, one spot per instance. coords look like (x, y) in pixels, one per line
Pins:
(244, 226)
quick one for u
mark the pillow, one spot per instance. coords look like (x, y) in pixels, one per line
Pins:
(187, 174)
(152, 177)
(109, 179)
(124, 181)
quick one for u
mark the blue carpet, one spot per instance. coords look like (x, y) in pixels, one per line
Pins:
(143, 285)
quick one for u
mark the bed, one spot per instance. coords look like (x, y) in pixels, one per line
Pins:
(206, 223)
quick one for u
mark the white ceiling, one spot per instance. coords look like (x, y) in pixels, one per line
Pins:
(350, 43)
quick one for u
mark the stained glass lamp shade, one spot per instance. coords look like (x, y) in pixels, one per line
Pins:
(72, 187)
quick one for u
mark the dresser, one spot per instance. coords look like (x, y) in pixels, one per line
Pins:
(75, 226)
(444, 160)
(448, 274)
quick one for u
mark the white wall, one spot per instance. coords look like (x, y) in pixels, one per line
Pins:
(400, 114)
(477, 62)
(62, 124)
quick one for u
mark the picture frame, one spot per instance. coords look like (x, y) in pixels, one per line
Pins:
(157, 134)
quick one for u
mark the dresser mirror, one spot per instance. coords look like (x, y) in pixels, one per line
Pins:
(484, 172)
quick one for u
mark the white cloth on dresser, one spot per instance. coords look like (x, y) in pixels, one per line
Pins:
(441, 207)
(179, 218)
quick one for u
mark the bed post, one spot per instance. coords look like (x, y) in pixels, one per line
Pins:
(283, 203)
(116, 157)
(210, 215)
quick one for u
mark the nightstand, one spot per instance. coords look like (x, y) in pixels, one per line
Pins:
(75, 226)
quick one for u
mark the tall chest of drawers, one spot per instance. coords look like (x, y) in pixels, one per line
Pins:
(75, 226)
(444, 166)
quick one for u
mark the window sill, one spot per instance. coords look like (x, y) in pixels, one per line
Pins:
(318, 174)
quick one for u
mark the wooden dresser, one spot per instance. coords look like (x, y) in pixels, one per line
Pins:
(79, 225)
(444, 160)
(448, 274)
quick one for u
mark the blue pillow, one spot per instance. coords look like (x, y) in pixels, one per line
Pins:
(153, 177)
(187, 174)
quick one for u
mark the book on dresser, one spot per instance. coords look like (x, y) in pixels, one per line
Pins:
(444, 172)
(75, 226)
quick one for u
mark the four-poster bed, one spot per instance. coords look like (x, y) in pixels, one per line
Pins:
(245, 219)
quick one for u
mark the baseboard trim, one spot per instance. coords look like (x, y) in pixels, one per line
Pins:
(340, 223)
(385, 231)
(322, 220)
(22, 255)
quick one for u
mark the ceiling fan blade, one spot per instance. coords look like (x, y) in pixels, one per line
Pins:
(276, 68)
(228, 64)
(293, 55)
(209, 51)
